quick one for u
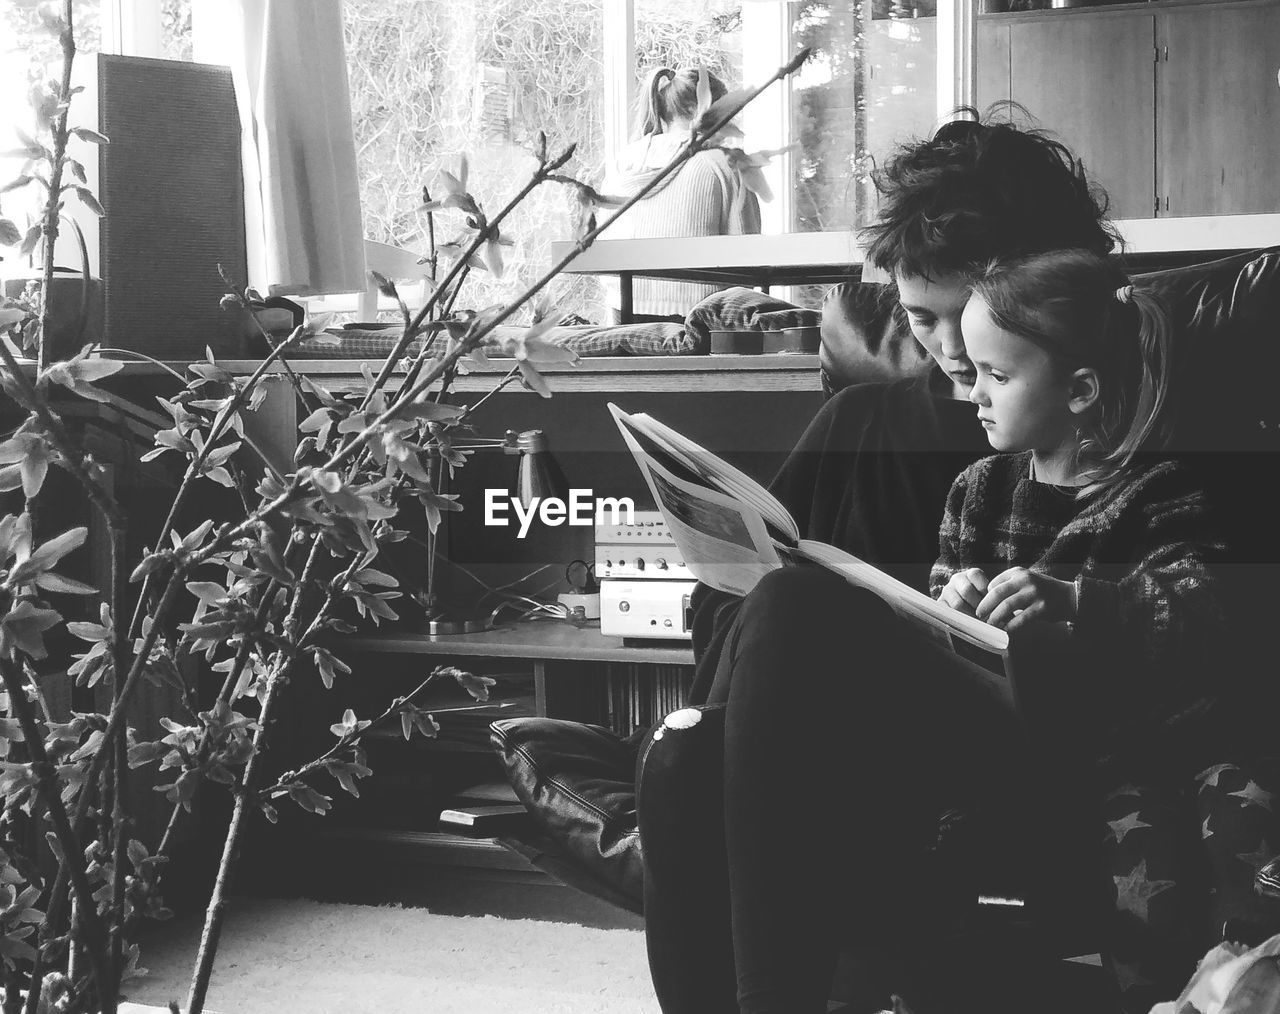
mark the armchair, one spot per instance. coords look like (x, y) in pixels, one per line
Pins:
(579, 781)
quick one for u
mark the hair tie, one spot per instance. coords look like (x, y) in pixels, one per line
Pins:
(1124, 294)
(666, 75)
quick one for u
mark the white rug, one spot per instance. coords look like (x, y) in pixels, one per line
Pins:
(299, 955)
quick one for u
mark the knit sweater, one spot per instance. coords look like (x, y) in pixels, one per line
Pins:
(705, 198)
(1150, 618)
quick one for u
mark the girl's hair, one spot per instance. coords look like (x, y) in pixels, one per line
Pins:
(1084, 311)
(668, 94)
(982, 190)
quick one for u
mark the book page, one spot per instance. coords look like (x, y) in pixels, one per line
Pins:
(942, 622)
(712, 470)
(722, 541)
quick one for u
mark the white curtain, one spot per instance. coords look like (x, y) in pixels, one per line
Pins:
(302, 204)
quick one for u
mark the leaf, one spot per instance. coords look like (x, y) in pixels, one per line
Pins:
(89, 201)
(21, 181)
(533, 380)
(9, 233)
(23, 627)
(92, 136)
(64, 585)
(30, 240)
(208, 592)
(715, 111)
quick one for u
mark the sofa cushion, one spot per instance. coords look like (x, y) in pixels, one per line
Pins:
(579, 783)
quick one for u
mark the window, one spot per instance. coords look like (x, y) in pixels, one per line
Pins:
(870, 85)
(432, 82)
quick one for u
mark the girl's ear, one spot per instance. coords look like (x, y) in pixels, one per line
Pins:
(1083, 390)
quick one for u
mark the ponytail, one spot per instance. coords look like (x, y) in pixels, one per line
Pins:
(1135, 415)
(668, 94)
(651, 109)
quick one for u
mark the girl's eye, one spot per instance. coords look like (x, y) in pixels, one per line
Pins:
(999, 378)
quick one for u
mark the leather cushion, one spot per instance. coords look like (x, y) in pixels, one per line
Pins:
(578, 781)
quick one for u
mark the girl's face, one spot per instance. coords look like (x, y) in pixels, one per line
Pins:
(1023, 395)
(933, 309)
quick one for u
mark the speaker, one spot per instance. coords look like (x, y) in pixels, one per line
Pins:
(171, 185)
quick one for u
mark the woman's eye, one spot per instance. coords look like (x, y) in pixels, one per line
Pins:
(919, 321)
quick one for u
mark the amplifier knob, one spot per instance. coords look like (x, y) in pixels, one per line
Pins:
(624, 606)
(660, 563)
(639, 563)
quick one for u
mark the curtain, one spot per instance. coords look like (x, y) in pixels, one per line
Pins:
(303, 225)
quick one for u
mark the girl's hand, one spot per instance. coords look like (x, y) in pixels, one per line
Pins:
(1017, 596)
(965, 590)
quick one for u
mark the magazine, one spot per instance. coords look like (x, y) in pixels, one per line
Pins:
(731, 531)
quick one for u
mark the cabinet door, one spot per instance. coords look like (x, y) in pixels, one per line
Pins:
(993, 64)
(1219, 111)
(1089, 78)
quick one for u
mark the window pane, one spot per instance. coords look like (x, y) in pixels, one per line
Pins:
(432, 81)
(871, 85)
(175, 29)
(690, 33)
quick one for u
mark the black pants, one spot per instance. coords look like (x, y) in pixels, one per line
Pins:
(843, 742)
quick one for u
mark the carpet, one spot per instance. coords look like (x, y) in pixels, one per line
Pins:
(299, 955)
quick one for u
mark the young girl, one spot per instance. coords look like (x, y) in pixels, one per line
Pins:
(1074, 523)
(705, 198)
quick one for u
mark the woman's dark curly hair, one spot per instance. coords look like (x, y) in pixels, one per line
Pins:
(982, 191)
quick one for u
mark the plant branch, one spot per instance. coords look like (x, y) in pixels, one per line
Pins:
(26, 393)
(72, 858)
(53, 206)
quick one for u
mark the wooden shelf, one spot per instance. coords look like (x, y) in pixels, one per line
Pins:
(550, 639)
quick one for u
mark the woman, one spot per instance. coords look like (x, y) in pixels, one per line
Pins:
(706, 197)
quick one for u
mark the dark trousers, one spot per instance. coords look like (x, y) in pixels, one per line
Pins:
(843, 743)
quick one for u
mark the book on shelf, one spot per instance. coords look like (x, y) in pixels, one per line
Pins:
(485, 818)
(731, 531)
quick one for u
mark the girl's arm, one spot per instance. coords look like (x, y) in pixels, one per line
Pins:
(950, 562)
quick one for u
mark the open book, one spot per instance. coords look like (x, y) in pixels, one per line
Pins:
(731, 531)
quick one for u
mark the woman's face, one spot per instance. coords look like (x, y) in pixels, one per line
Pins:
(934, 306)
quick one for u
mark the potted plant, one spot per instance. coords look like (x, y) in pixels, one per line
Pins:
(256, 598)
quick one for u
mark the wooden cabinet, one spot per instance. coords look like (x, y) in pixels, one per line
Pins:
(1090, 79)
(1218, 110)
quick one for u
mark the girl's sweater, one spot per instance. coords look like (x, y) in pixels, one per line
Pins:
(1150, 620)
(705, 198)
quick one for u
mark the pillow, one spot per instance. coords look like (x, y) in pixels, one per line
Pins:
(737, 309)
(866, 338)
(578, 782)
(656, 339)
